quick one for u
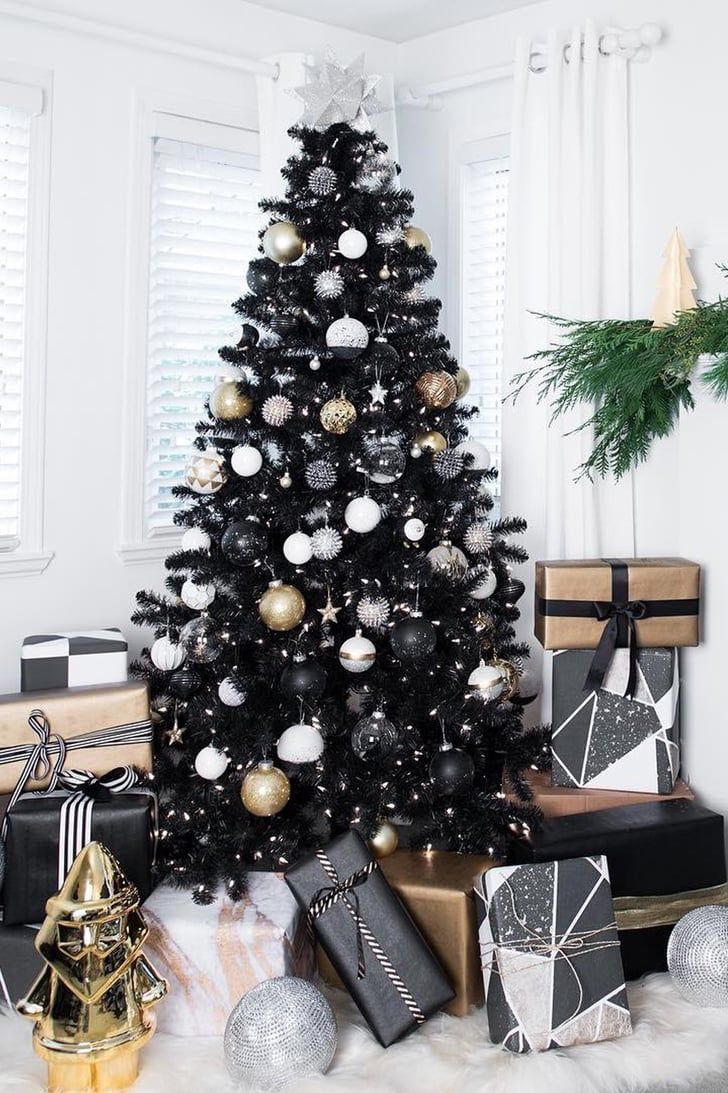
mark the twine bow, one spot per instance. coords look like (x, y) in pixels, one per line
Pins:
(621, 618)
(345, 890)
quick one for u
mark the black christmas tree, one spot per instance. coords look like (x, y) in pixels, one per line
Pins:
(337, 644)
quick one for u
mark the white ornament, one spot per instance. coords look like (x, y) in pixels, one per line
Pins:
(246, 460)
(347, 338)
(298, 548)
(197, 596)
(478, 538)
(326, 543)
(328, 284)
(487, 679)
(166, 654)
(229, 692)
(276, 410)
(210, 763)
(362, 514)
(414, 529)
(486, 587)
(195, 539)
(415, 451)
(352, 243)
(479, 452)
(314, 364)
(357, 654)
(373, 611)
(300, 743)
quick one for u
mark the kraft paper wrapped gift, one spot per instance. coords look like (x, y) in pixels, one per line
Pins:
(80, 658)
(603, 740)
(552, 968)
(579, 602)
(211, 955)
(103, 727)
(564, 801)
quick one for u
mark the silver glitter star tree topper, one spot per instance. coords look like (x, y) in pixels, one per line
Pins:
(339, 94)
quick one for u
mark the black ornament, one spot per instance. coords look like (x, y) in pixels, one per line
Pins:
(184, 682)
(282, 322)
(249, 337)
(383, 355)
(451, 771)
(244, 541)
(413, 638)
(262, 275)
(303, 679)
(510, 592)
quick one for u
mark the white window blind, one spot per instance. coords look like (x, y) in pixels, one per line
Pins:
(204, 223)
(14, 195)
(484, 190)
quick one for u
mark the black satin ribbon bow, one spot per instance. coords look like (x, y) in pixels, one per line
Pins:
(620, 631)
(345, 890)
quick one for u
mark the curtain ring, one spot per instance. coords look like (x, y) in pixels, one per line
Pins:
(537, 67)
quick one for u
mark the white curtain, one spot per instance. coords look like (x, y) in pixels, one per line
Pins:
(568, 255)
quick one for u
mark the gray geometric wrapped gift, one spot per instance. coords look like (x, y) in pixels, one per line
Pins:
(552, 968)
(602, 740)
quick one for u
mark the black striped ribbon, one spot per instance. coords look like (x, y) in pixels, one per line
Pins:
(76, 816)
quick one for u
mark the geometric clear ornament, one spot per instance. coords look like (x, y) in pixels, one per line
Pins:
(373, 736)
(200, 640)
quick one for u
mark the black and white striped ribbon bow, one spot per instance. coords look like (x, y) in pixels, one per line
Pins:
(76, 817)
(345, 892)
(38, 758)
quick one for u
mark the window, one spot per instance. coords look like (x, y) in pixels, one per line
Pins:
(484, 202)
(203, 230)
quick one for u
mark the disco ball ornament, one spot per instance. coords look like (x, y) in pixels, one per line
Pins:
(384, 840)
(196, 596)
(280, 1033)
(697, 956)
(373, 737)
(451, 771)
(352, 243)
(430, 441)
(413, 638)
(298, 548)
(478, 538)
(304, 678)
(326, 543)
(448, 465)
(184, 683)
(328, 285)
(195, 539)
(211, 763)
(320, 474)
(249, 337)
(480, 454)
(487, 681)
(362, 514)
(322, 181)
(416, 237)
(385, 462)
(462, 381)
(205, 472)
(337, 415)
(262, 275)
(300, 743)
(347, 338)
(282, 243)
(281, 606)
(486, 586)
(265, 790)
(357, 654)
(414, 529)
(448, 561)
(232, 691)
(373, 612)
(437, 390)
(229, 402)
(200, 640)
(166, 654)
(244, 541)
(276, 410)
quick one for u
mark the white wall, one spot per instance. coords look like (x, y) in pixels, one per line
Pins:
(679, 164)
(96, 83)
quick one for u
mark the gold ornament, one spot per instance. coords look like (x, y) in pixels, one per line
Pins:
(462, 381)
(228, 402)
(281, 606)
(384, 840)
(337, 415)
(282, 243)
(436, 389)
(206, 472)
(416, 237)
(431, 441)
(265, 790)
(89, 1003)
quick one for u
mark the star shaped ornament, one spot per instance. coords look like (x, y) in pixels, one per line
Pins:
(339, 93)
(328, 612)
(377, 394)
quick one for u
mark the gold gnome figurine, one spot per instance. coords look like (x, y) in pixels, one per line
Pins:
(89, 1002)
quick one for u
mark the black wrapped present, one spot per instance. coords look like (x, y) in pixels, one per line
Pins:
(665, 858)
(552, 969)
(604, 740)
(45, 831)
(367, 934)
(20, 963)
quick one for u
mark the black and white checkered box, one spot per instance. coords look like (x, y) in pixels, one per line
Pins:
(77, 659)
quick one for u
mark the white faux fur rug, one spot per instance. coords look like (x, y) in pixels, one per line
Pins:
(675, 1047)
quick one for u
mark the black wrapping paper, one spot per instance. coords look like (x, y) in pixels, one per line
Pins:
(124, 824)
(663, 848)
(380, 1003)
(20, 963)
(551, 963)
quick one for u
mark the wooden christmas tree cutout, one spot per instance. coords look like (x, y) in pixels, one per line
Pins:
(676, 284)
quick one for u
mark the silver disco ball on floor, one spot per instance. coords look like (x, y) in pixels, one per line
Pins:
(697, 956)
(280, 1032)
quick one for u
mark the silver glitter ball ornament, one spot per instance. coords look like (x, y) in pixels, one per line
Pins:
(449, 464)
(328, 284)
(478, 538)
(280, 1032)
(697, 956)
(347, 338)
(373, 611)
(322, 181)
(326, 543)
(320, 475)
(276, 410)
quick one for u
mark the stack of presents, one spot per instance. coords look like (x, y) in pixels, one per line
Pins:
(545, 940)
